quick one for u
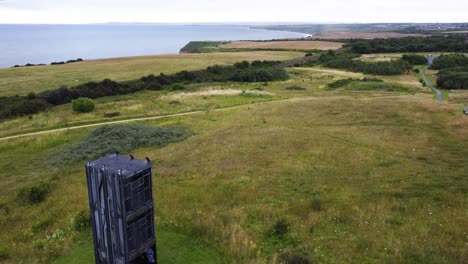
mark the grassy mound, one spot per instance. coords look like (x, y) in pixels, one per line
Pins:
(121, 138)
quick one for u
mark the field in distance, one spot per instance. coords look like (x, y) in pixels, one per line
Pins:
(37, 79)
(363, 35)
(292, 44)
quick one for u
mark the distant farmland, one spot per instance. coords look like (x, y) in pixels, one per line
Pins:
(293, 44)
(363, 35)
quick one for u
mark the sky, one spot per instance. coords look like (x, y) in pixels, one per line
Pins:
(199, 11)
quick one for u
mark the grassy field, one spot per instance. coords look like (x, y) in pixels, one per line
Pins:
(368, 177)
(204, 97)
(363, 35)
(295, 45)
(36, 79)
(173, 248)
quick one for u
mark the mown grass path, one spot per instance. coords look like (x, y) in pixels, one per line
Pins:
(155, 117)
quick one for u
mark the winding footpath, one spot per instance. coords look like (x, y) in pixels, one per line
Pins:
(294, 99)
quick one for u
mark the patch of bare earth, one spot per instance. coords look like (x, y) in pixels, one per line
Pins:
(292, 44)
(363, 35)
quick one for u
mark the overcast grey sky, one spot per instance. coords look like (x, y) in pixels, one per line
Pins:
(174, 11)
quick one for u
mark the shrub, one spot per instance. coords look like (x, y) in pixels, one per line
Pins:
(453, 78)
(295, 88)
(3, 255)
(242, 65)
(316, 204)
(450, 61)
(409, 44)
(34, 194)
(83, 105)
(414, 59)
(111, 114)
(293, 258)
(279, 230)
(20, 106)
(82, 220)
(340, 83)
(178, 87)
(257, 71)
(120, 138)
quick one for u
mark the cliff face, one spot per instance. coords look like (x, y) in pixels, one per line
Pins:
(201, 46)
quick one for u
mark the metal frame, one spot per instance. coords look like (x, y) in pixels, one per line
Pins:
(110, 220)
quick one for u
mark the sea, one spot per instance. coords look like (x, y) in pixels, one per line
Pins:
(36, 44)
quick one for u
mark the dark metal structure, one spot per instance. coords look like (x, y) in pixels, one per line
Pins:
(122, 210)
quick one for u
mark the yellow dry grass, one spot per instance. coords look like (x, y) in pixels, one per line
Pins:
(298, 45)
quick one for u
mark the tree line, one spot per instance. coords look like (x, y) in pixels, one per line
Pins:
(453, 71)
(455, 43)
(257, 71)
(347, 61)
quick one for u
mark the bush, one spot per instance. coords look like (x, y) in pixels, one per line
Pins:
(414, 59)
(316, 204)
(340, 83)
(453, 78)
(82, 220)
(120, 138)
(346, 61)
(293, 258)
(83, 105)
(3, 255)
(409, 44)
(296, 88)
(279, 230)
(111, 114)
(178, 87)
(450, 61)
(33, 195)
(20, 106)
(257, 71)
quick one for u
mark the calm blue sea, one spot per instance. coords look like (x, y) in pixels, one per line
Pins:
(21, 44)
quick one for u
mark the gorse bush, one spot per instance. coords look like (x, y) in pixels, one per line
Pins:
(33, 195)
(83, 105)
(120, 138)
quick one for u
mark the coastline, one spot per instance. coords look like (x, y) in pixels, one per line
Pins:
(106, 41)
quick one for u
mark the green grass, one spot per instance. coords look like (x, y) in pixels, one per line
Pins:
(201, 46)
(357, 177)
(173, 248)
(36, 79)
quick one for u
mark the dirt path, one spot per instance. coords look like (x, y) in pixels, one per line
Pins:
(294, 99)
(101, 124)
